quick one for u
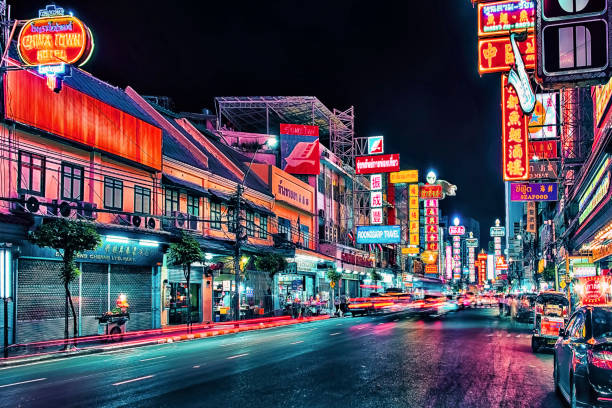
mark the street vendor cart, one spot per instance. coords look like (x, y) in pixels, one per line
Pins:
(551, 312)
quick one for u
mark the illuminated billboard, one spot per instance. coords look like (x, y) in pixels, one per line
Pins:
(515, 146)
(496, 55)
(299, 145)
(543, 121)
(59, 39)
(533, 191)
(375, 145)
(501, 17)
(431, 191)
(383, 163)
(381, 234)
(404, 176)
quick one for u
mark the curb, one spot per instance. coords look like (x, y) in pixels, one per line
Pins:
(166, 340)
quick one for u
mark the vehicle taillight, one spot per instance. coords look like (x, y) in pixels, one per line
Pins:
(601, 359)
(565, 311)
(539, 309)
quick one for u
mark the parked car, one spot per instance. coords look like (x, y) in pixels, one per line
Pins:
(583, 358)
(525, 307)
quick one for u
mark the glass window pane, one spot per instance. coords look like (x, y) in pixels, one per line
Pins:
(76, 189)
(36, 180)
(566, 47)
(67, 185)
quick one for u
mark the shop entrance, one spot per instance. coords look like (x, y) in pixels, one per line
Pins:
(178, 303)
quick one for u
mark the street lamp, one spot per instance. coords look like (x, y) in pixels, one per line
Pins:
(456, 221)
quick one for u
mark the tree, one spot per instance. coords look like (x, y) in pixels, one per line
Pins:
(375, 276)
(271, 263)
(183, 253)
(548, 274)
(68, 238)
(334, 276)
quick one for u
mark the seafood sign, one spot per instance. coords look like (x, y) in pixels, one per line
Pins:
(534, 191)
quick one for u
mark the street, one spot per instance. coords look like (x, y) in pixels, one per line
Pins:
(466, 359)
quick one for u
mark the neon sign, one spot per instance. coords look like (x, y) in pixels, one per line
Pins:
(496, 54)
(515, 146)
(55, 40)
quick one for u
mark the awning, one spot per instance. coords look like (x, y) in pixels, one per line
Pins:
(258, 208)
(177, 182)
(219, 195)
(222, 196)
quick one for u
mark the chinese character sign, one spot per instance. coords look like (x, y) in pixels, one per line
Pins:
(471, 267)
(533, 191)
(456, 257)
(413, 213)
(449, 262)
(496, 55)
(531, 217)
(501, 17)
(376, 216)
(515, 146)
(376, 198)
(376, 182)
(543, 149)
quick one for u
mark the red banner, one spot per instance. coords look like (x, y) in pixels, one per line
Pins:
(515, 146)
(495, 54)
(543, 149)
(382, 163)
(430, 191)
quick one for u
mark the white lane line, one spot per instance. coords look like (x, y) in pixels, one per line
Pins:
(508, 335)
(152, 358)
(196, 366)
(237, 356)
(297, 342)
(133, 380)
(339, 324)
(396, 320)
(499, 334)
(333, 334)
(518, 335)
(490, 334)
(22, 382)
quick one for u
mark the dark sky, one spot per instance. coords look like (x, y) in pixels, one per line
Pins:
(410, 70)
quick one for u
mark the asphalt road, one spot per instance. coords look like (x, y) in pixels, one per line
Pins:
(466, 359)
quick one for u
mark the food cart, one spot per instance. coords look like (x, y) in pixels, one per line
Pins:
(551, 313)
(114, 323)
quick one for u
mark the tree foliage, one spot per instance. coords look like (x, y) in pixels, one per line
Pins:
(185, 252)
(375, 276)
(271, 263)
(333, 275)
(548, 274)
(68, 237)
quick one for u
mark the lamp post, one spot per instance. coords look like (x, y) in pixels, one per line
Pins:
(6, 286)
(239, 236)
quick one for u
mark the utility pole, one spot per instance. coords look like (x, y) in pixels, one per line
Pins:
(237, 252)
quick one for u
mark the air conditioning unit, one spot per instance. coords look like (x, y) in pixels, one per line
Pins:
(61, 208)
(140, 221)
(180, 220)
(87, 210)
(29, 204)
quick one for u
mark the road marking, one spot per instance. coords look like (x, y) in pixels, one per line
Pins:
(237, 356)
(196, 366)
(152, 358)
(297, 342)
(396, 320)
(490, 334)
(133, 380)
(499, 334)
(508, 335)
(518, 335)
(22, 382)
(333, 334)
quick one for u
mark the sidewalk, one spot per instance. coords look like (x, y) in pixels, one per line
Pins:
(47, 350)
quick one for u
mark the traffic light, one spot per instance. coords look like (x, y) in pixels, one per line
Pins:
(573, 47)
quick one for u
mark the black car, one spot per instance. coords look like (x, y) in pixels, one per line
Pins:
(583, 358)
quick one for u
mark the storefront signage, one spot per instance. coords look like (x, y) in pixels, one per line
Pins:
(456, 230)
(515, 147)
(530, 208)
(594, 290)
(376, 182)
(356, 259)
(543, 150)
(375, 144)
(404, 176)
(543, 120)
(376, 198)
(383, 163)
(518, 77)
(431, 191)
(497, 231)
(128, 253)
(471, 242)
(582, 270)
(448, 259)
(376, 215)
(543, 170)
(495, 54)
(410, 251)
(597, 197)
(503, 16)
(500, 263)
(601, 99)
(62, 39)
(383, 234)
(299, 146)
(429, 257)
(413, 214)
(602, 252)
(594, 183)
(431, 269)
(290, 190)
(533, 191)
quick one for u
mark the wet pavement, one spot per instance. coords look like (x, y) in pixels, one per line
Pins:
(466, 359)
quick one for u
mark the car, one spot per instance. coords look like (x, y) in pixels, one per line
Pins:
(525, 307)
(582, 371)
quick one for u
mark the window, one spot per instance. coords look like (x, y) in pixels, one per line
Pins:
(231, 222)
(574, 47)
(577, 329)
(142, 200)
(321, 182)
(284, 227)
(172, 202)
(250, 218)
(31, 173)
(72, 182)
(215, 215)
(304, 231)
(193, 206)
(263, 227)
(113, 193)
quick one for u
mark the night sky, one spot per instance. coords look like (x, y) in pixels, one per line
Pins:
(410, 70)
